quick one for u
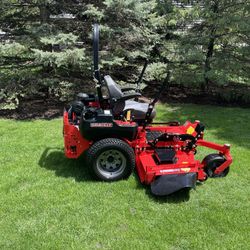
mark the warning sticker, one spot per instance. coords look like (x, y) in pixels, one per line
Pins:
(185, 169)
(190, 130)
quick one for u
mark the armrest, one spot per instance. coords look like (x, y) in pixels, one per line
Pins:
(129, 96)
(127, 89)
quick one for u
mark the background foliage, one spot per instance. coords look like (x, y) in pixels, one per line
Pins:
(45, 48)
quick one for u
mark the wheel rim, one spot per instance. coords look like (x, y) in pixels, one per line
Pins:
(211, 170)
(111, 163)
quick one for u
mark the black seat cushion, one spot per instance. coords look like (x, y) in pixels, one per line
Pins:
(139, 109)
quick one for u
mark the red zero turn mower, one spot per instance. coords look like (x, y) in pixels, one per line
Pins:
(118, 134)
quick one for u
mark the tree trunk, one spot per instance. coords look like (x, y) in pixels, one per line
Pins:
(210, 50)
(44, 14)
(209, 55)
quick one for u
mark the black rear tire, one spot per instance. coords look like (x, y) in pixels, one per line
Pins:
(211, 163)
(111, 159)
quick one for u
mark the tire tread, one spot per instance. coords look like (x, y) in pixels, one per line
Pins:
(109, 142)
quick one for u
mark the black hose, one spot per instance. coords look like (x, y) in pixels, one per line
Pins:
(141, 75)
(164, 85)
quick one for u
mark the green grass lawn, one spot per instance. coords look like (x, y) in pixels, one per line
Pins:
(50, 202)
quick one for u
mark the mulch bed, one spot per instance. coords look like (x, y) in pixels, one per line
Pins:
(52, 108)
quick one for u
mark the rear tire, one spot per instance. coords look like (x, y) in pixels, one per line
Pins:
(111, 159)
(211, 163)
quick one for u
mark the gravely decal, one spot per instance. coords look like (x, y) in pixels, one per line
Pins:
(101, 125)
(170, 170)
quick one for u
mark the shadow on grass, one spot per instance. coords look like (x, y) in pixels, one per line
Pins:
(180, 196)
(54, 160)
(177, 197)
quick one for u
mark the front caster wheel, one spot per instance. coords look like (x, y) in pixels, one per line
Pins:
(111, 159)
(211, 163)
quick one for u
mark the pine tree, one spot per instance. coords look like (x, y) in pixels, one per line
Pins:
(211, 43)
(59, 48)
(47, 45)
(45, 48)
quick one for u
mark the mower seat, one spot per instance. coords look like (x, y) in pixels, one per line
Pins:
(121, 101)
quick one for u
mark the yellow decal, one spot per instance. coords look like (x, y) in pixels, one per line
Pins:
(185, 169)
(185, 162)
(190, 130)
(128, 115)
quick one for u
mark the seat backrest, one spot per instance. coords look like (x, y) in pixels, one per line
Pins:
(113, 88)
(115, 94)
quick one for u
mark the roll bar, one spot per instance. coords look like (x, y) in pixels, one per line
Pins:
(97, 74)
